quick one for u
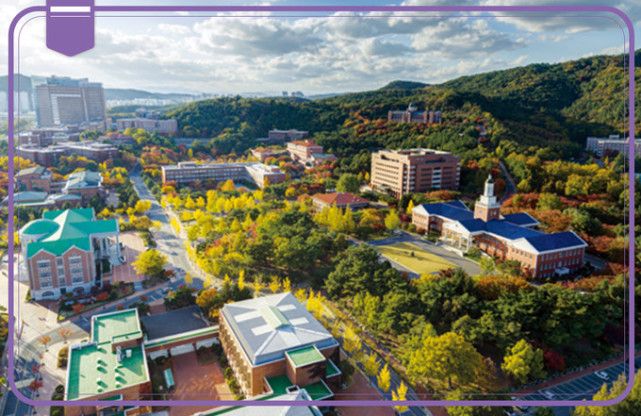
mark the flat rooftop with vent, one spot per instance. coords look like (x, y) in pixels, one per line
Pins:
(275, 336)
(112, 362)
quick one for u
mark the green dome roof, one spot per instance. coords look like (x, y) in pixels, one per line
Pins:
(38, 227)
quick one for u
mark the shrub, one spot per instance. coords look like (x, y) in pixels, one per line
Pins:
(60, 388)
(28, 298)
(102, 296)
(120, 307)
(223, 361)
(78, 307)
(63, 356)
(229, 373)
(216, 348)
(239, 397)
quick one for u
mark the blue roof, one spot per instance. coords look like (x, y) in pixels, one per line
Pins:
(498, 227)
(473, 225)
(508, 230)
(546, 242)
(454, 210)
(521, 218)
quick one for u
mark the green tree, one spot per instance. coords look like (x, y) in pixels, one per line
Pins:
(523, 362)
(348, 183)
(392, 221)
(150, 263)
(447, 357)
(383, 379)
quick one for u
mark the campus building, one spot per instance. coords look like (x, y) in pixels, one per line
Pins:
(605, 147)
(309, 153)
(37, 178)
(49, 156)
(274, 344)
(63, 100)
(339, 200)
(85, 184)
(281, 136)
(415, 170)
(412, 115)
(148, 124)
(113, 364)
(39, 190)
(507, 237)
(185, 173)
(64, 251)
(294, 394)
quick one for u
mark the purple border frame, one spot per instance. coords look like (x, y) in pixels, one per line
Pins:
(337, 8)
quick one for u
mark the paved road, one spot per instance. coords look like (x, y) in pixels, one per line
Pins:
(466, 264)
(166, 239)
(510, 186)
(580, 388)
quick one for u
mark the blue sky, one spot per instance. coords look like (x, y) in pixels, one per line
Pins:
(324, 53)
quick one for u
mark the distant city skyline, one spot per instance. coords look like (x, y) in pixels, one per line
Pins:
(335, 53)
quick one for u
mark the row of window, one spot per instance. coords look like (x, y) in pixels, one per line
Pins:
(564, 263)
(560, 254)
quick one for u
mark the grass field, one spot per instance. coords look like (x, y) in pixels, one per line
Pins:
(421, 262)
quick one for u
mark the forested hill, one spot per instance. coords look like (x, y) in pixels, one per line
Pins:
(543, 105)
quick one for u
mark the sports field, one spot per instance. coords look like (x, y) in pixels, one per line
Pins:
(421, 262)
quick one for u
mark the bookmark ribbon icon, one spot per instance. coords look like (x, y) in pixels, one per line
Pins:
(70, 26)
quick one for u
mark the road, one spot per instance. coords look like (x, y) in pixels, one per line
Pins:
(510, 186)
(167, 241)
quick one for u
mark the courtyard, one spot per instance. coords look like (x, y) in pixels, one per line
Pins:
(195, 381)
(415, 259)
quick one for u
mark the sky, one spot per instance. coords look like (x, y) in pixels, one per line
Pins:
(323, 53)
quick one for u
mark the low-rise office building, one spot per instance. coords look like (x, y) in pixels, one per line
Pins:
(401, 172)
(185, 173)
(273, 342)
(614, 144)
(148, 124)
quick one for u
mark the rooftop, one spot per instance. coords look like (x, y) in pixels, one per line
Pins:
(58, 231)
(118, 326)
(305, 356)
(305, 143)
(37, 170)
(83, 179)
(340, 199)
(272, 410)
(94, 366)
(269, 326)
(173, 322)
(94, 369)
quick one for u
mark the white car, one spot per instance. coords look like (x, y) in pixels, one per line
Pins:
(548, 394)
(602, 375)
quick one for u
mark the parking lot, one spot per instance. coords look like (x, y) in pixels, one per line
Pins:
(582, 388)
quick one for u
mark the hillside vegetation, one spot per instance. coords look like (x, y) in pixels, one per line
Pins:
(553, 106)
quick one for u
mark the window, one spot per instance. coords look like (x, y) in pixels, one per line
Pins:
(59, 262)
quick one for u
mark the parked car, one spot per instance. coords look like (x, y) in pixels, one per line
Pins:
(548, 394)
(602, 375)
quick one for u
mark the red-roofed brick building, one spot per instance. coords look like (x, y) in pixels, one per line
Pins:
(303, 149)
(340, 200)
